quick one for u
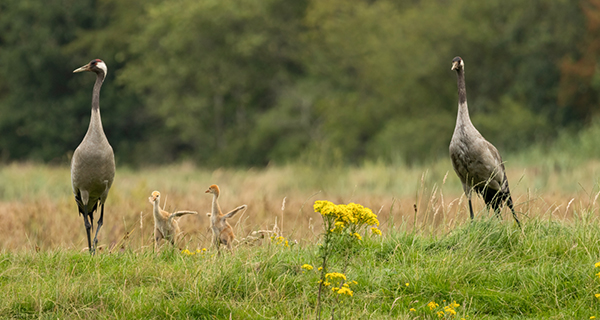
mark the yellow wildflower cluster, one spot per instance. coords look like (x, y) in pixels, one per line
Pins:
(346, 214)
(449, 310)
(326, 283)
(191, 253)
(335, 276)
(279, 240)
(307, 267)
(432, 305)
(344, 290)
(338, 227)
(362, 215)
(357, 236)
(376, 231)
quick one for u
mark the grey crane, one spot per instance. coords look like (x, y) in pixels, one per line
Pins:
(93, 162)
(476, 161)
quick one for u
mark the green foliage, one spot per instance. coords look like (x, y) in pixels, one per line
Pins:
(252, 82)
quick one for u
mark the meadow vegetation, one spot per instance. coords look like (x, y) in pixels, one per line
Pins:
(484, 270)
(428, 260)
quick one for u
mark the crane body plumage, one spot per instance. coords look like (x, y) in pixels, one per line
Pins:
(93, 162)
(476, 161)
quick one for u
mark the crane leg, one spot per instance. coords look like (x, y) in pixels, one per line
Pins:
(100, 222)
(512, 208)
(88, 227)
(471, 209)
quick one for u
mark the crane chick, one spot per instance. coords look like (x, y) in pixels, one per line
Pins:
(165, 225)
(222, 231)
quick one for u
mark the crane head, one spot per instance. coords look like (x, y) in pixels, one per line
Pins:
(458, 63)
(214, 189)
(155, 197)
(96, 65)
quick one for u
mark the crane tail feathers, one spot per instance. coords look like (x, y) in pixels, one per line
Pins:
(495, 199)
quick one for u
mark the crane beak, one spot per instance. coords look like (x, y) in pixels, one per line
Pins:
(207, 191)
(454, 65)
(83, 68)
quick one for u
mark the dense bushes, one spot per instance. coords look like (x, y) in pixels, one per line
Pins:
(251, 82)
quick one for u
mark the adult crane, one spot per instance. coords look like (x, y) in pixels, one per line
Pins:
(476, 161)
(93, 162)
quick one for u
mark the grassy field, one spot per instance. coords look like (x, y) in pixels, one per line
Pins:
(490, 269)
(431, 253)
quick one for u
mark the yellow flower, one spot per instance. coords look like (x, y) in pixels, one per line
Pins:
(593, 317)
(597, 295)
(597, 265)
(307, 267)
(412, 310)
(320, 268)
(440, 314)
(406, 284)
(454, 304)
(376, 231)
(346, 291)
(353, 282)
(335, 276)
(598, 274)
(326, 283)
(449, 310)
(432, 305)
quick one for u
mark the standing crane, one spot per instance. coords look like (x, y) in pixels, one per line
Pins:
(93, 162)
(476, 161)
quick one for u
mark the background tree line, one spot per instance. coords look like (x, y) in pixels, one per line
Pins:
(246, 83)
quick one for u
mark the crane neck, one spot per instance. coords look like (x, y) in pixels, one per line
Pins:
(96, 92)
(216, 209)
(463, 109)
(95, 126)
(156, 210)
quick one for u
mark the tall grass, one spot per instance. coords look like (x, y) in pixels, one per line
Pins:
(490, 268)
(429, 251)
(38, 210)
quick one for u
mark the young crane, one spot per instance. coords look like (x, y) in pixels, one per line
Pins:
(165, 225)
(476, 161)
(222, 231)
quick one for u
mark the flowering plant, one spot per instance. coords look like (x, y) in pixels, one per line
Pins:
(343, 225)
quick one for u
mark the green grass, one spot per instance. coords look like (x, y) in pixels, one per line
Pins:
(489, 267)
